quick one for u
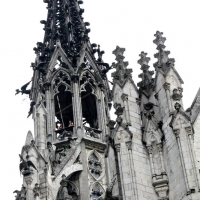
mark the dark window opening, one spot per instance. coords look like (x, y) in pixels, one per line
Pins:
(89, 108)
(63, 113)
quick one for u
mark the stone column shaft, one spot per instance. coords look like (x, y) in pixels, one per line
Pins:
(151, 159)
(53, 117)
(98, 105)
(117, 147)
(83, 180)
(191, 146)
(177, 132)
(161, 156)
(77, 108)
(103, 115)
(49, 113)
(133, 175)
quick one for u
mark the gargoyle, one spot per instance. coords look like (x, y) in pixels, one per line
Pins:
(108, 195)
(20, 194)
(24, 166)
(31, 108)
(23, 89)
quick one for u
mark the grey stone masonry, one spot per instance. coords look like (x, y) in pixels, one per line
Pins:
(151, 151)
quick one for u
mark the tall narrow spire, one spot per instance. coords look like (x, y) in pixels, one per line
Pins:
(64, 25)
(122, 72)
(147, 83)
(164, 62)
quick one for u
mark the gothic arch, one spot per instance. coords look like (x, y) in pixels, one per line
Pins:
(87, 79)
(74, 187)
(96, 191)
(152, 134)
(61, 77)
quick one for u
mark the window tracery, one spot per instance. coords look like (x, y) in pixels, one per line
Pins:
(97, 192)
(61, 78)
(94, 165)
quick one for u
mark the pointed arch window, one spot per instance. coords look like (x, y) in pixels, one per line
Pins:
(63, 105)
(89, 100)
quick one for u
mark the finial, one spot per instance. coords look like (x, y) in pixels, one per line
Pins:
(122, 72)
(143, 61)
(159, 41)
(147, 83)
(118, 51)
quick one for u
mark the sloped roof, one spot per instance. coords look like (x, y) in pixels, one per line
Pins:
(195, 107)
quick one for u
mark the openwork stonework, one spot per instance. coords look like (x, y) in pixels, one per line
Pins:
(148, 151)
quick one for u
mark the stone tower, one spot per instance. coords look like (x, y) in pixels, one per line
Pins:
(150, 152)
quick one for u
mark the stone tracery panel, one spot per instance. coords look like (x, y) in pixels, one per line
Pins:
(61, 78)
(94, 165)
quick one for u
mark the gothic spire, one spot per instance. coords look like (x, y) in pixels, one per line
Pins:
(64, 25)
(164, 62)
(122, 72)
(147, 83)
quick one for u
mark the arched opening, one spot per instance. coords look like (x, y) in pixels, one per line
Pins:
(89, 108)
(63, 113)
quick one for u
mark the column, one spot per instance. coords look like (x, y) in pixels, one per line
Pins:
(150, 151)
(161, 158)
(28, 180)
(77, 108)
(83, 180)
(103, 119)
(50, 133)
(117, 147)
(133, 174)
(192, 155)
(167, 89)
(177, 134)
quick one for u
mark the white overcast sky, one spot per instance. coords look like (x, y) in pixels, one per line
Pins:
(127, 23)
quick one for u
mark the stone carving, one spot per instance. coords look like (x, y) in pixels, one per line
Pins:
(147, 83)
(164, 63)
(61, 78)
(21, 195)
(109, 142)
(63, 191)
(160, 40)
(94, 165)
(109, 189)
(91, 132)
(122, 136)
(111, 124)
(121, 73)
(24, 166)
(87, 78)
(97, 193)
(36, 190)
(119, 109)
(177, 94)
(31, 108)
(63, 153)
(149, 111)
(177, 106)
(52, 157)
(153, 139)
(23, 89)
